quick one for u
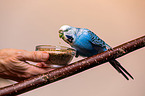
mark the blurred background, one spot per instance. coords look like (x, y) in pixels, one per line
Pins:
(27, 23)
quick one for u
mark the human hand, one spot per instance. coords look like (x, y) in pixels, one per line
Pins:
(14, 65)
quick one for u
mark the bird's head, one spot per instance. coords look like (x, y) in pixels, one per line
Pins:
(67, 33)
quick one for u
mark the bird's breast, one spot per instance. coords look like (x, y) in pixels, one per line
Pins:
(85, 48)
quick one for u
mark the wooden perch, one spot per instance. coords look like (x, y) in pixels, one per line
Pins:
(73, 68)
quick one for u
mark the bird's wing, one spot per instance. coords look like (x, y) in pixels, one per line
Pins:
(95, 40)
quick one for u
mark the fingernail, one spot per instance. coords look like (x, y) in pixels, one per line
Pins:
(45, 56)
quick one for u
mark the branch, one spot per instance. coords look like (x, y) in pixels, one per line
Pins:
(73, 68)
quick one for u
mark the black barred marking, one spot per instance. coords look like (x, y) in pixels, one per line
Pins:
(96, 40)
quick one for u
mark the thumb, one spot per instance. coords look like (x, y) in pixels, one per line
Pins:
(36, 56)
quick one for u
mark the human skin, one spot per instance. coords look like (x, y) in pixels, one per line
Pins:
(14, 65)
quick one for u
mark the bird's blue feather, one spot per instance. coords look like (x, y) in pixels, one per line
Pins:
(88, 44)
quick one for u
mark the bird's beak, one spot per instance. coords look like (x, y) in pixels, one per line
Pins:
(60, 33)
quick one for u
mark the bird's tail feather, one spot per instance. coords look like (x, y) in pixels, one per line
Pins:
(119, 68)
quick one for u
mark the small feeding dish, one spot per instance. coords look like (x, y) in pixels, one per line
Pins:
(59, 56)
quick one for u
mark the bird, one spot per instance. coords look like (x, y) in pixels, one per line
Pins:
(86, 43)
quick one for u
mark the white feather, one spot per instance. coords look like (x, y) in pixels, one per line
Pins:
(64, 27)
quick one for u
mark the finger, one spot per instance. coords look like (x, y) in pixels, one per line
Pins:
(30, 72)
(37, 56)
(36, 70)
(23, 71)
(42, 64)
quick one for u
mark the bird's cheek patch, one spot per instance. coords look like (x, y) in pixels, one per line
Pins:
(70, 38)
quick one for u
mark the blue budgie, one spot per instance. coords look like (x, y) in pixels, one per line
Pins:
(88, 44)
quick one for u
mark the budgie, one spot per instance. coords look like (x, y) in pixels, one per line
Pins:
(86, 43)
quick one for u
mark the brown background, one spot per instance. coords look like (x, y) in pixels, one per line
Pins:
(27, 23)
